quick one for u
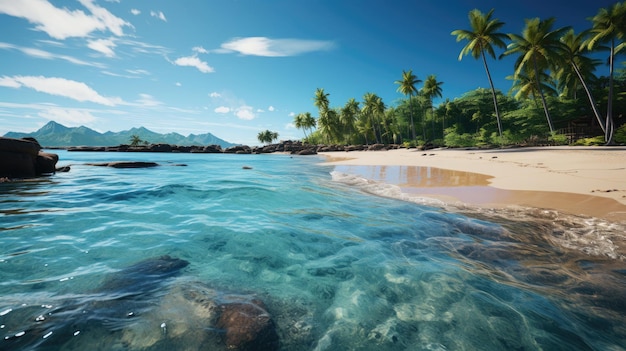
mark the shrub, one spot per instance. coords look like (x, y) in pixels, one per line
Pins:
(620, 135)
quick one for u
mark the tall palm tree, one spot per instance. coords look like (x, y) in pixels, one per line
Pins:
(348, 116)
(305, 122)
(609, 25)
(373, 108)
(407, 87)
(432, 89)
(580, 64)
(540, 48)
(481, 38)
(325, 120)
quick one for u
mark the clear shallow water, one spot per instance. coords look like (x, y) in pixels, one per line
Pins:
(337, 267)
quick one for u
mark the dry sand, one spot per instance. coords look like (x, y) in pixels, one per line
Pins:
(588, 181)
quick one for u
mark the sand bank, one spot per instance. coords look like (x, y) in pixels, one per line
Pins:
(578, 180)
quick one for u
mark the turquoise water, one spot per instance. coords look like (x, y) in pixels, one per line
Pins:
(337, 266)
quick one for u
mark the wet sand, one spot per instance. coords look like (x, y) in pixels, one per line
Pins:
(588, 181)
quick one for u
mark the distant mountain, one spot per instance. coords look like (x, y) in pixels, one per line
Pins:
(55, 134)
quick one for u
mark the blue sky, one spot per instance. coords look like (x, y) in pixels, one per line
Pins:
(235, 67)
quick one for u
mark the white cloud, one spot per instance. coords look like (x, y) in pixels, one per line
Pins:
(135, 12)
(62, 23)
(60, 87)
(215, 94)
(194, 61)
(139, 72)
(178, 84)
(46, 55)
(148, 100)
(103, 46)
(245, 112)
(271, 108)
(158, 15)
(68, 117)
(222, 109)
(200, 50)
(262, 46)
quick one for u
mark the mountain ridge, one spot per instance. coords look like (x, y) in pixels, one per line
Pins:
(54, 134)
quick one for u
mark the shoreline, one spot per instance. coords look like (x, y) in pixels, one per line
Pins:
(587, 181)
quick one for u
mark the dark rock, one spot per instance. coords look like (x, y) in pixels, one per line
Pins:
(46, 163)
(161, 148)
(377, 147)
(248, 326)
(21, 158)
(125, 164)
(308, 151)
(239, 149)
(63, 169)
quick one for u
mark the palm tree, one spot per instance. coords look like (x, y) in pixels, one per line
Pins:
(432, 89)
(525, 85)
(135, 140)
(305, 122)
(482, 37)
(325, 120)
(574, 45)
(347, 118)
(407, 87)
(539, 47)
(373, 108)
(267, 136)
(609, 26)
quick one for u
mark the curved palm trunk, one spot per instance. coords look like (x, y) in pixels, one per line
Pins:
(590, 97)
(411, 113)
(493, 93)
(543, 98)
(608, 132)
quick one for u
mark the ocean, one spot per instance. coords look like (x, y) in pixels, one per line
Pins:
(333, 262)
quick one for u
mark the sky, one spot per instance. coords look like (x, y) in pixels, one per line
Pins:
(235, 68)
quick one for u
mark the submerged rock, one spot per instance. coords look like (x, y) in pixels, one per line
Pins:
(248, 326)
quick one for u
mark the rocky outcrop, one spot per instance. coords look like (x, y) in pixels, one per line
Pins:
(23, 158)
(125, 164)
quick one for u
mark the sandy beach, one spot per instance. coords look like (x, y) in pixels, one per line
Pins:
(589, 181)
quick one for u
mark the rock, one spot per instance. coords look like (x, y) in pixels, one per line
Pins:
(46, 163)
(21, 158)
(125, 164)
(248, 326)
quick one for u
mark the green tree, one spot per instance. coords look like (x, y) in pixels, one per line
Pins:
(431, 90)
(374, 110)
(267, 136)
(407, 87)
(581, 65)
(305, 122)
(348, 117)
(135, 140)
(482, 37)
(539, 48)
(327, 120)
(609, 26)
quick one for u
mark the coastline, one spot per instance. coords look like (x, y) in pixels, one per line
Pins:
(587, 181)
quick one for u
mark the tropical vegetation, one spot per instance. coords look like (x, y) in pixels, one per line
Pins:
(559, 93)
(267, 136)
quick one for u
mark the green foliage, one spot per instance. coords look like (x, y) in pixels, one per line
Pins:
(595, 141)
(558, 139)
(620, 135)
(454, 138)
(267, 136)
(135, 141)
